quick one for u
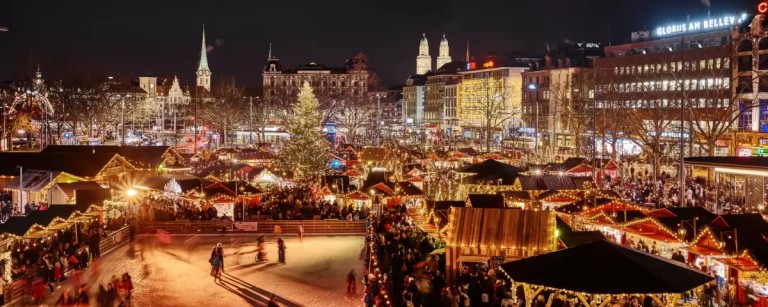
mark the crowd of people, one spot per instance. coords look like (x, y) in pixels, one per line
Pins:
(302, 203)
(412, 276)
(9, 209)
(46, 262)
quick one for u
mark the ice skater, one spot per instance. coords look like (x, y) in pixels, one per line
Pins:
(300, 232)
(261, 255)
(217, 261)
(281, 250)
(351, 286)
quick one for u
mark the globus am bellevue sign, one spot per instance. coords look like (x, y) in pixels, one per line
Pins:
(706, 24)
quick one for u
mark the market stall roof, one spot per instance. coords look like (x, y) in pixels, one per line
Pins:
(70, 188)
(739, 162)
(516, 196)
(446, 204)
(491, 170)
(138, 156)
(615, 270)
(570, 238)
(78, 164)
(519, 232)
(486, 200)
(357, 195)
(34, 180)
(408, 189)
(20, 225)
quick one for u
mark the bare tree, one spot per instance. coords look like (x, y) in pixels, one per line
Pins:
(226, 111)
(488, 104)
(356, 114)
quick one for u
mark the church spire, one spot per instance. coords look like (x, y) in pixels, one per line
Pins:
(269, 55)
(443, 55)
(467, 58)
(203, 64)
(423, 60)
(203, 72)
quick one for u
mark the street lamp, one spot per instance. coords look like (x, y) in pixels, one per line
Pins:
(532, 87)
(131, 193)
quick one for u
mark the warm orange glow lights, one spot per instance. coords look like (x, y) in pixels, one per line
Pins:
(488, 64)
(762, 8)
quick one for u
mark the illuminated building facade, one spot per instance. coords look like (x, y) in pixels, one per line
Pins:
(489, 95)
(677, 73)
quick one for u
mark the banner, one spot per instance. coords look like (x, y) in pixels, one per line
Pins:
(246, 226)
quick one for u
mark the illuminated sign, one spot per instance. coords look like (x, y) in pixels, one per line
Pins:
(488, 64)
(762, 8)
(471, 65)
(701, 25)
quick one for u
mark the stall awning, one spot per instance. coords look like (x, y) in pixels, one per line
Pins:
(472, 258)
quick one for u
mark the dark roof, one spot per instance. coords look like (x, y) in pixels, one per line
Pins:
(312, 66)
(452, 67)
(558, 183)
(565, 269)
(686, 213)
(516, 195)
(375, 178)
(571, 238)
(491, 171)
(86, 198)
(752, 162)
(532, 183)
(409, 189)
(70, 188)
(19, 225)
(139, 156)
(746, 220)
(468, 150)
(486, 200)
(78, 164)
(447, 204)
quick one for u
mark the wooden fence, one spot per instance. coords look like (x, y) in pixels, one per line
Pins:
(287, 227)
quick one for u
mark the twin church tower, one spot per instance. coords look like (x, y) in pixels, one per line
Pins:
(424, 60)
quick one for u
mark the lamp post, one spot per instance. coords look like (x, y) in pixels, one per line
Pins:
(378, 119)
(532, 87)
(122, 119)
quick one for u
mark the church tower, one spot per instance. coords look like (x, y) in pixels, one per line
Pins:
(203, 72)
(423, 60)
(444, 56)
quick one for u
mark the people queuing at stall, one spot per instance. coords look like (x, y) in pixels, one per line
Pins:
(410, 275)
(47, 261)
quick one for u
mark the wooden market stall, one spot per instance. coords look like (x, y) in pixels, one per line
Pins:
(492, 236)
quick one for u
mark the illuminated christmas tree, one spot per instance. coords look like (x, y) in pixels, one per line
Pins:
(305, 152)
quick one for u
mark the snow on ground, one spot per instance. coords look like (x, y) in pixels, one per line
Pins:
(174, 275)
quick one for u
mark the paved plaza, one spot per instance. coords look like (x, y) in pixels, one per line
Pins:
(175, 275)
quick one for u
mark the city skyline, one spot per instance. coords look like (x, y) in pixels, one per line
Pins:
(165, 39)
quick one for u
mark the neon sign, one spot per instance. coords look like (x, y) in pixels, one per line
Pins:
(699, 25)
(762, 8)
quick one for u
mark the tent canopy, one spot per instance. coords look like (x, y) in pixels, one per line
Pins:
(602, 267)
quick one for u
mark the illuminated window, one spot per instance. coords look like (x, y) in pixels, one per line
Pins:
(665, 85)
(702, 65)
(717, 63)
(679, 66)
(726, 63)
(710, 64)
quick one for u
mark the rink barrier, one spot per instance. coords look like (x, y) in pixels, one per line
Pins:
(287, 227)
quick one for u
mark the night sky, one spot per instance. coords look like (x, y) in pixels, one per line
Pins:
(162, 38)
